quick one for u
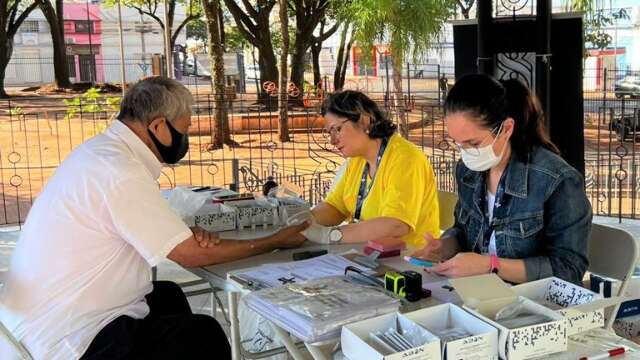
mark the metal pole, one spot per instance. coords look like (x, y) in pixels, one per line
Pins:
(90, 29)
(485, 56)
(167, 40)
(143, 30)
(543, 59)
(123, 80)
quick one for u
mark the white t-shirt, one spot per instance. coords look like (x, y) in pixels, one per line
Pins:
(85, 253)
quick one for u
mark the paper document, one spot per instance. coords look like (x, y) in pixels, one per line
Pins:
(274, 275)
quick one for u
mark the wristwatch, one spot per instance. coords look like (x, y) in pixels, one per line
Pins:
(495, 263)
(335, 235)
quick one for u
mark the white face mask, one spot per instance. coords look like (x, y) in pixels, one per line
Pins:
(482, 159)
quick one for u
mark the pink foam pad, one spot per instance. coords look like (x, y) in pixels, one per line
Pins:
(386, 245)
(383, 254)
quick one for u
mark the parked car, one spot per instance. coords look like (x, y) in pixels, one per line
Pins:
(628, 86)
(626, 126)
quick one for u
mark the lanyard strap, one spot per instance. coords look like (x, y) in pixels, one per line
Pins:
(490, 225)
(364, 189)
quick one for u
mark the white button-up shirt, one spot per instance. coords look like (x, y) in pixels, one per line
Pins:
(85, 253)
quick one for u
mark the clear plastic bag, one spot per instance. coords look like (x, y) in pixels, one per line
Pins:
(518, 314)
(316, 310)
(186, 202)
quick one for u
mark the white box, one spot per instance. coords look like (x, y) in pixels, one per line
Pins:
(482, 345)
(258, 215)
(484, 295)
(357, 345)
(213, 217)
(583, 308)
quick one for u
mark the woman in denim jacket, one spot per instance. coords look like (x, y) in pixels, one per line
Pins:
(522, 210)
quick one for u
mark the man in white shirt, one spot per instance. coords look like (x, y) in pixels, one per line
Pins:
(79, 281)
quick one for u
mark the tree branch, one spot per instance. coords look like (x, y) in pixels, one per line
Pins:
(184, 23)
(152, 15)
(13, 27)
(326, 35)
(240, 17)
(250, 10)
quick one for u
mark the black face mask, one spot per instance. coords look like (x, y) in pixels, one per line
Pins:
(177, 150)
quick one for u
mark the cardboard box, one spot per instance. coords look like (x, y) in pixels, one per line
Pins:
(357, 343)
(481, 345)
(214, 218)
(485, 295)
(583, 308)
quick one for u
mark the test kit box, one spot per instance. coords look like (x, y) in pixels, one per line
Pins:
(357, 342)
(583, 308)
(257, 215)
(214, 218)
(486, 295)
(481, 344)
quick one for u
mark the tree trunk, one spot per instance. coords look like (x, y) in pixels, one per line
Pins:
(315, 55)
(282, 86)
(396, 61)
(55, 19)
(268, 72)
(3, 68)
(6, 49)
(342, 61)
(221, 134)
(298, 65)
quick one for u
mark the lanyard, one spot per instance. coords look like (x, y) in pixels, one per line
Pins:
(364, 189)
(490, 225)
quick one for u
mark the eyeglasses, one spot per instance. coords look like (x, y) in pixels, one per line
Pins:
(335, 130)
(474, 149)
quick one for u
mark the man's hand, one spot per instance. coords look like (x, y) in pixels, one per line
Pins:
(204, 238)
(290, 237)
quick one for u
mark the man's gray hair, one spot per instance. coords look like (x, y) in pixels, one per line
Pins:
(156, 97)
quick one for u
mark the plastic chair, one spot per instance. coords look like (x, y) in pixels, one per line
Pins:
(447, 201)
(612, 253)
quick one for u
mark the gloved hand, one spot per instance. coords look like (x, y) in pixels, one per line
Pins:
(315, 232)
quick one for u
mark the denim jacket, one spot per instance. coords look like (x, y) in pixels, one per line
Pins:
(544, 216)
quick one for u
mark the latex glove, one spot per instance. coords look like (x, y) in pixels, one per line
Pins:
(315, 232)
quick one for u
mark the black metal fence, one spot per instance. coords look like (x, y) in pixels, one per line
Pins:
(36, 134)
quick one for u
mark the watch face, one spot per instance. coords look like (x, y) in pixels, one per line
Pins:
(335, 235)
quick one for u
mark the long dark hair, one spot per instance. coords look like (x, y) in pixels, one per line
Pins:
(351, 105)
(491, 102)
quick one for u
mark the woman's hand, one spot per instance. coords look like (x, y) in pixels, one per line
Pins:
(463, 264)
(431, 251)
(438, 249)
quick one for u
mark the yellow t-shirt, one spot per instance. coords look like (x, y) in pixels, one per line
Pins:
(404, 188)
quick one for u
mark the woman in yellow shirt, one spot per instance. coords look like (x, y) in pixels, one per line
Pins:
(388, 188)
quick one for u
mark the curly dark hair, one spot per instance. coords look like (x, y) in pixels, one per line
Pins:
(351, 105)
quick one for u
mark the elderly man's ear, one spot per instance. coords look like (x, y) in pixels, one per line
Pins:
(158, 127)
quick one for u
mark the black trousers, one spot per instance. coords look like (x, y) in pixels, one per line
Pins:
(170, 331)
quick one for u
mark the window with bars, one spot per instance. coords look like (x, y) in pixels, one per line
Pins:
(84, 26)
(30, 26)
(71, 63)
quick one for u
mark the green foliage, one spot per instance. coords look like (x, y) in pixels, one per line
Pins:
(197, 29)
(92, 101)
(15, 112)
(408, 26)
(596, 21)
